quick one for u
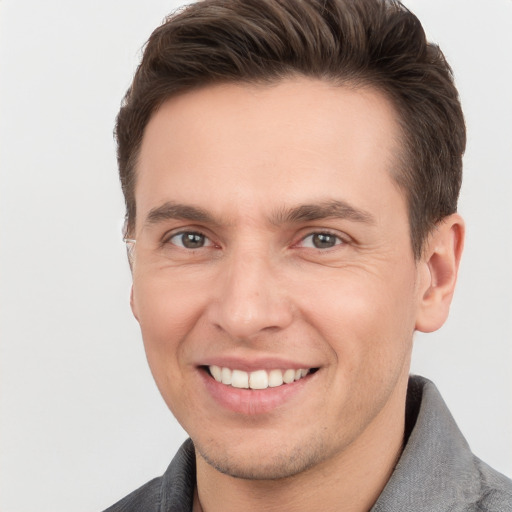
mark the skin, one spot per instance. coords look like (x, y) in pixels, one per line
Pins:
(260, 294)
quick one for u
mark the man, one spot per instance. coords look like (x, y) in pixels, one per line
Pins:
(291, 172)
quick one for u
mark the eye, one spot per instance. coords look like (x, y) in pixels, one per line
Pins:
(190, 240)
(321, 241)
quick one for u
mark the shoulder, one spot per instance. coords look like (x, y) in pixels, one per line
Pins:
(146, 498)
(495, 490)
(437, 470)
(171, 492)
(473, 485)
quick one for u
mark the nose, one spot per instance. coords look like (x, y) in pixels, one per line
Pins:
(251, 298)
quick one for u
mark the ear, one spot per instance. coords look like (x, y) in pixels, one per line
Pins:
(133, 305)
(441, 260)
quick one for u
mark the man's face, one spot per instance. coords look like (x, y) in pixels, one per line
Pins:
(272, 238)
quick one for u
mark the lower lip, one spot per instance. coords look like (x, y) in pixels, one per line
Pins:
(252, 401)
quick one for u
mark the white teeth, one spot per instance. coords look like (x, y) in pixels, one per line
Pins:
(240, 379)
(226, 376)
(275, 378)
(216, 373)
(288, 376)
(259, 379)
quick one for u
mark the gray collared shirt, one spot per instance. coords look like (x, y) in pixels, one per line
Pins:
(436, 473)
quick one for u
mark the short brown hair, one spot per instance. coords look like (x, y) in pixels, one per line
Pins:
(376, 43)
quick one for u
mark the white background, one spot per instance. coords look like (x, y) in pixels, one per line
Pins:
(81, 421)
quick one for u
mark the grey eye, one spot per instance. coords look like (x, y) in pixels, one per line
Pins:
(324, 240)
(189, 240)
(321, 241)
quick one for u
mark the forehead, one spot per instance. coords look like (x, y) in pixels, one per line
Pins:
(238, 144)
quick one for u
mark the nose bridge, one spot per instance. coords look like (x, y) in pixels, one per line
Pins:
(250, 298)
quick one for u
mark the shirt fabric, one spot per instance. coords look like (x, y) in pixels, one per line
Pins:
(436, 472)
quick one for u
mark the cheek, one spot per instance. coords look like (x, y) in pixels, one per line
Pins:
(368, 321)
(161, 301)
(166, 313)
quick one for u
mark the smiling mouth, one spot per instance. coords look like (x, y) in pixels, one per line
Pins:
(259, 379)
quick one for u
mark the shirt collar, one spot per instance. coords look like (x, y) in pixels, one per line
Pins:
(436, 469)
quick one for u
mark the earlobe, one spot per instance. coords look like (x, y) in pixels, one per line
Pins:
(442, 258)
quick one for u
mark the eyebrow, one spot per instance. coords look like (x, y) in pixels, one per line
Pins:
(324, 210)
(302, 213)
(171, 210)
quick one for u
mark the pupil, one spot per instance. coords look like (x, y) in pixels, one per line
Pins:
(193, 240)
(324, 240)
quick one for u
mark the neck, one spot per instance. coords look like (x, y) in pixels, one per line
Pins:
(350, 481)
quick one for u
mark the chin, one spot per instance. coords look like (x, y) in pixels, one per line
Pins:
(257, 464)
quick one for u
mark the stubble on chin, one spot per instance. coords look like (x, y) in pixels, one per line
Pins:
(265, 466)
